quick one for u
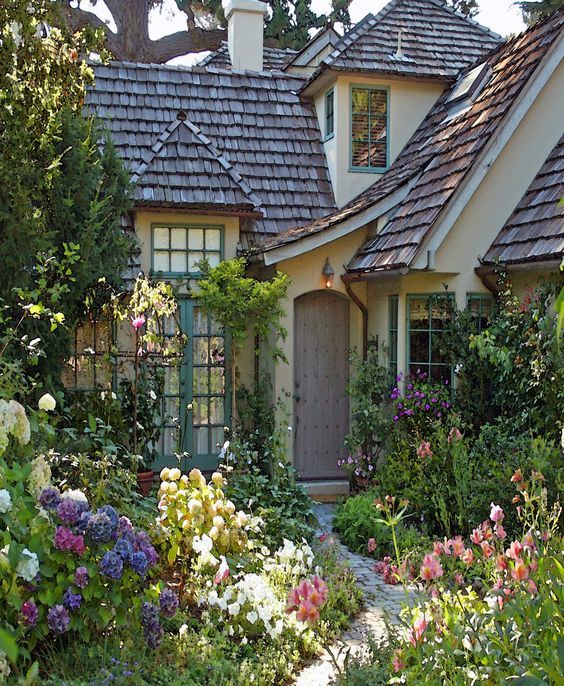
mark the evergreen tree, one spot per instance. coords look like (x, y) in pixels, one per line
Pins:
(468, 7)
(535, 11)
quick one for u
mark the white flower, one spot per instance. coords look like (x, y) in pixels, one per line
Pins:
(47, 403)
(16, 29)
(40, 475)
(5, 501)
(28, 566)
(174, 474)
(152, 394)
(252, 616)
(202, 544)
(4, 667)
(75, 494)
(183, 631)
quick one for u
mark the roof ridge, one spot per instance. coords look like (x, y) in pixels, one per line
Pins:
(350, 36)
(460, 15)
(156, 148)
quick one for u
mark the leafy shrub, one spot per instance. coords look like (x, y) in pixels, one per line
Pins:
(357, 520)
(283, 505)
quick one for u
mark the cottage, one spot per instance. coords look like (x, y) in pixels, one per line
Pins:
(400, 161)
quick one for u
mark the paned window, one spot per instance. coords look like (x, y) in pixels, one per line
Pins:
(481, 307)
(369, 128)
(89, 367)
(427, 319)
(329, 113)
(393, 301)
(180, 249)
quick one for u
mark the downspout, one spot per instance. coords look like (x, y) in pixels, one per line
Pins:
(363, 310)
(483, 273)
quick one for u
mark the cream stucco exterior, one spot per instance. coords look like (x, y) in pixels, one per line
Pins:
(409, 102)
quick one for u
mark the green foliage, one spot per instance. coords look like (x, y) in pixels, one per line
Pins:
(357, 520)
(283, 504)
(540, 9)
(242, 302)
(468, 7)
(370, 426)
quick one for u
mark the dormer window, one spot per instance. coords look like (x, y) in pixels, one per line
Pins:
(369, 128)
(329, 114)
(469, 86)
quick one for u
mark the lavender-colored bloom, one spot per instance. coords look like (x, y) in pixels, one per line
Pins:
(112, 514)
(151, 555)
(30, 613)
(50, 498)
(124, 549)
(124, 524)
(58, 619)
(149, 614)
(83, 522)
(168, 602)
(81, 577)
(67, 511)
(64, 538)
(111, 565)
(139, 563)
(71, 600)
(100, 528)
(152, 630)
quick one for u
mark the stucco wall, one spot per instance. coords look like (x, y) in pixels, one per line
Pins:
(409, 102)
(305, 274)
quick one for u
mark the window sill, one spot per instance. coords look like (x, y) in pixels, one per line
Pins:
(328, 138)
(369, 170)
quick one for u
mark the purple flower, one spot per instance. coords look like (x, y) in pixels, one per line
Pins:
(111, 565)
(168, 602)
(81, 577)
(427, 407)
(152, 630)
(111, 513)
(83, 522)
(139, 563)
(64, 538)
(58, 619)
(71, 600)
(151, 555)
(124, 549)
(100, 528)
(67, 511)
(50, 498)
(30, 613)
(396, 418)
(124, 524)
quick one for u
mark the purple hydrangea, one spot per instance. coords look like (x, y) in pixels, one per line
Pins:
(100, 527)
(112, 515)
(64, 538)
(71, 600)
(50, 498)
(83, 520)
(168, 602)
(124, 549)
(124, 525)
(67, 511)
(139, 563)
(111, 565)
(81, 577)
(152, 630)
(143, 543)
(58, 619)
(30, 613)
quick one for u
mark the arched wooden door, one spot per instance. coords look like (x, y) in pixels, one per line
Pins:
(321, 405)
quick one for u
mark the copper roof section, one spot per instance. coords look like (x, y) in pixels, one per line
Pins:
(535, 230)
(436, 42)
(218, 138)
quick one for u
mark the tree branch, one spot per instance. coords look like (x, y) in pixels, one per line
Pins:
(178, 44)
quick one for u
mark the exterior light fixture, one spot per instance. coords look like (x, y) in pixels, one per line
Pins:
(328, 274)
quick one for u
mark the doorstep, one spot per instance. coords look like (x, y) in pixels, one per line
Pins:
(326, 491)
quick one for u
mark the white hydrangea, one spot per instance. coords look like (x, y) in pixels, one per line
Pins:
(40, 475)
(74, 494)
(5, 501)
(13, 421)
(28, 566)
(4, 668)
(47, 402)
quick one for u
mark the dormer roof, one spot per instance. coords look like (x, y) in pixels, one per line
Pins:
(434, 42)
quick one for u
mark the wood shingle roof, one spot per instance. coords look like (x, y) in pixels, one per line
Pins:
(244, 140)
(535, 230)
(273, 58)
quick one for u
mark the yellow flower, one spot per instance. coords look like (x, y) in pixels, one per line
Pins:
(214, 533)
(174, 474)
(217, 478)
(165, 474)
(218, 522)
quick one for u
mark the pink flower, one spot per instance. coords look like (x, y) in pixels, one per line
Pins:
(323, 537)
(458, 579)
(514, 550)
(305, 588)
(416, 632)
(458, 546)
(532, 587)
(320, 587)
(293, 601)
(307, 612)
(431, 568)
(424, 449)
(468, 557)
(438, 548)
(78, 546)
(529, 542)
(371, 545)
(500, 532)
(137, 322)
(520, 571)
(487, 549)
(517, 477)
(397, 661)
(454, 435)
(496, 514)
(64, 538)
(476, 536)
(222, 574)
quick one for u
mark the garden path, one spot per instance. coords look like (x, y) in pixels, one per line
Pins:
(380, 599)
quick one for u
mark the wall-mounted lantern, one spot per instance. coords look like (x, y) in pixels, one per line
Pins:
(328, 274)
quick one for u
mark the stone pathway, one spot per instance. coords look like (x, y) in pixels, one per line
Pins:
(380, 599)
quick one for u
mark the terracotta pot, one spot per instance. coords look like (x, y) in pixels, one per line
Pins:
(145, 482)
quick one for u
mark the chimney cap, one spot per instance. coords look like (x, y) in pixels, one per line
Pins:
(253, 6)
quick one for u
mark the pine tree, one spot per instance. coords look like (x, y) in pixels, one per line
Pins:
(535, 11)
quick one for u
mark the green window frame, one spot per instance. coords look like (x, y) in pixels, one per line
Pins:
(481, 307)
(179, 248)
(329, 114)
(370, 128)
(426, 316)
(393, 330)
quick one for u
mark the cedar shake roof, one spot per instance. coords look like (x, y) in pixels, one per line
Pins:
(195, 136)
(273, 58)
(436, 42)
(535, 230)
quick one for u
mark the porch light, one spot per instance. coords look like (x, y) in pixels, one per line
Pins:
(328, 274)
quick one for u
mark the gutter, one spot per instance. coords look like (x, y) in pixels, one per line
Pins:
(363, 310)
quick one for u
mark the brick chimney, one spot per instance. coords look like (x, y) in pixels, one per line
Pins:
(245, 20)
